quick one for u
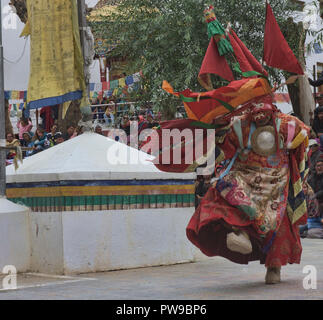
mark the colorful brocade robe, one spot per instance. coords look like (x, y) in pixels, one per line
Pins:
(263, 188)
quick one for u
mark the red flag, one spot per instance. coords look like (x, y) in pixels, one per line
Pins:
(214, 63)
(245, 58)
(277, 52)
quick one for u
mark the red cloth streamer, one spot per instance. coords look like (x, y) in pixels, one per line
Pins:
(277, 52)
(245, 58)
(214, 63)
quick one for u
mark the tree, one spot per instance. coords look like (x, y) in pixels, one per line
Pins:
(21, 9)
(167, 40)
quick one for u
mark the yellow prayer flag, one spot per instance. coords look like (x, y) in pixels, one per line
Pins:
(56, 66)
(122, 82)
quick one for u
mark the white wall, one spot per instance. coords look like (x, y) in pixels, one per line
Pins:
(81, 242)
(15, 245)
(91, 3)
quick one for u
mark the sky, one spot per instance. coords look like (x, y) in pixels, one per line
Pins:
(91, 3)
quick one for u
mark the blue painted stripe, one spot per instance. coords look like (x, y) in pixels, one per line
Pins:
(86, 183)
(55, 100)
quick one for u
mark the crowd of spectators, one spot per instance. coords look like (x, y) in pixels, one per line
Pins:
(36, 140)
(33, 142)
(314, 188)
(121, 115)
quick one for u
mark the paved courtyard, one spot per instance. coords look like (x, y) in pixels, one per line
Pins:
(211, 279)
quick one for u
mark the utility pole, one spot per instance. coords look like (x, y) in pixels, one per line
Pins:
(314, 78)
(86, 111)
(83, 25)
(2, 119)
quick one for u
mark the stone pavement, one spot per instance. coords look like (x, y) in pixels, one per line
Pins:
(210, 279)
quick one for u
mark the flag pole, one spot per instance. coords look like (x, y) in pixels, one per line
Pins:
(263, 43)
(2, 118)
(82, 27)
(314, 78)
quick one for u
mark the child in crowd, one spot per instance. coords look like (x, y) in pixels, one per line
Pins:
(40, 140)
(24, 125)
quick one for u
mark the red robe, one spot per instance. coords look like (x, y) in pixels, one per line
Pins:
(220, 209)
(231, 202)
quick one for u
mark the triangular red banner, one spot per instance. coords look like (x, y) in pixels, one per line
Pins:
(215, 64)
(245, 58)
(277, 52)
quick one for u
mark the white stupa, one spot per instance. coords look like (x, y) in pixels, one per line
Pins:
(89, 156)
(93, 172)
(95, 204)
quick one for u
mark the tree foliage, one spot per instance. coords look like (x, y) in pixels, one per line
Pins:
(167, 39)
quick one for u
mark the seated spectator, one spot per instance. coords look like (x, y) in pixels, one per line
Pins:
(313, 153)
(77, 131)
(142, 125)
(315, 180)
(101, 111)
(318, 121)
(11, 142)
(109, 117)
(98, 130)
(95, 109)
(95, 113)
(59, 138)
(125, 124)
(52, 136)
(69, 132)
(40, 140)
(314, 227)
(24, 125)
(80, 130)
(27, 143)
(27, 137)
(151, 122)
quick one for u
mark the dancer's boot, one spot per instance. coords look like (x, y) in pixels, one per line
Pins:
(273, 275)
(238, 241)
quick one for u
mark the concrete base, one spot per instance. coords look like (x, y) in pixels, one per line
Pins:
(82, 242)
(14, 236)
